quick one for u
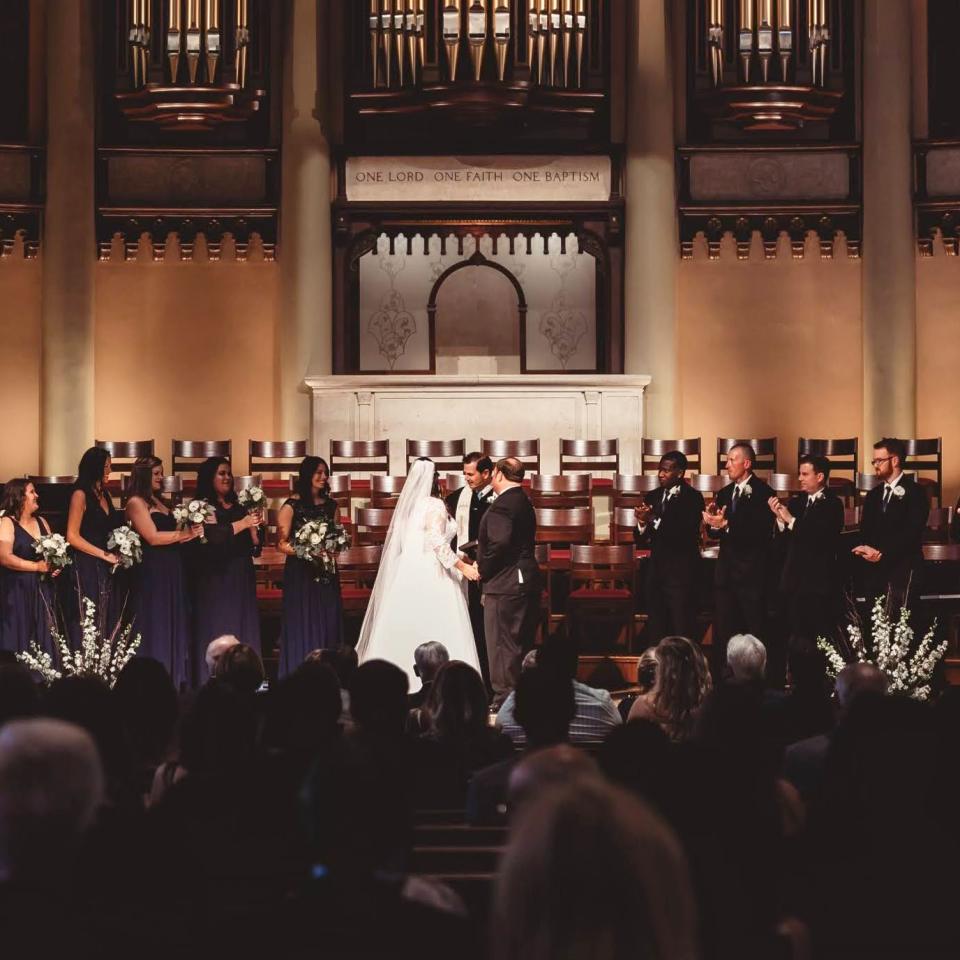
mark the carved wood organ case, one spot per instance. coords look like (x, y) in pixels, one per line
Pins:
(478, 217)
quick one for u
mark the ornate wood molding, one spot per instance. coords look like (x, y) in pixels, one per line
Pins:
(21, 199)
(937, 196)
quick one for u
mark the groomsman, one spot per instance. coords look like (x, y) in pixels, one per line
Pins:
(668, 522)
(741, 519)
(467, 506)
(891, 527)
(812, 524)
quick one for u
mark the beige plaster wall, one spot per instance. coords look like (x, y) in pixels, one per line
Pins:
(20, 299)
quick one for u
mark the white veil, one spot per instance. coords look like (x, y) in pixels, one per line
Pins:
(415, 491)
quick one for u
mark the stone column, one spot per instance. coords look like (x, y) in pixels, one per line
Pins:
(304, 329)
(68, 251)
(651, 248)
(888, 284)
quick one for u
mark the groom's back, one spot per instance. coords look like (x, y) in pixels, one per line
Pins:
(506, 556)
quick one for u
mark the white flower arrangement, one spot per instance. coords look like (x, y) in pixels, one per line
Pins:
(98, 656)
(126, 544)
(889, 651)
(252, 498)
(193, 513)
(319, 542)
(899, 492)
(747, 490)
(54, 550)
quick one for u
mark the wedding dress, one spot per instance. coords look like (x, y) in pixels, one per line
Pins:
(418, 595)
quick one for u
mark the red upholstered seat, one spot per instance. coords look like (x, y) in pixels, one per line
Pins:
(585, 594)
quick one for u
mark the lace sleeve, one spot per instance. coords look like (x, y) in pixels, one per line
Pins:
(435, 534)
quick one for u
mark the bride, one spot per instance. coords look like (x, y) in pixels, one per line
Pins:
(418, 594)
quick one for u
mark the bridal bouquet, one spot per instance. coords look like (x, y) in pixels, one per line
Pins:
(126, 544)
(193, 513)
(98, 656)
(252, 498)
(319, 542)
(52, 548)
(889, 649)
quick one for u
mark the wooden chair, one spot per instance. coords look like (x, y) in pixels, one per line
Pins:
(623, 523)
(54, 493)
(341, 489)
(276, 457)
(385, 491)
(708, 484)
(601, 588)
(865, 483)
(566, 526)
(765, 449)
(851, 518)
(561, 490)
(187, 455)
(592, 456)
(652, 451)
(542, 554)
(447, 455)
(123, 453)
(360, 456)
(927, 456)
(784, 484)
(358, 570)
(372, 524)
(629, 489)
(526, 450)
(938, 525)
(843, 455)
(454, 481)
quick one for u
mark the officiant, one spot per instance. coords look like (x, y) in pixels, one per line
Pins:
(467, 506)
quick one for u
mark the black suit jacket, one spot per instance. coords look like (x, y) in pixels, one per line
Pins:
(675, 542)
(897, 532)
(478, 508)
(813, 545)
(505, 553)
(745, 542)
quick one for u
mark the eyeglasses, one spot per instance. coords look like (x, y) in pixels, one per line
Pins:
(879, 460)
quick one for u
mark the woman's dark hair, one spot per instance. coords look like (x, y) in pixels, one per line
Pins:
(457, 703)
(147, 703)
(304, 487)
(141, 478)
(205, 474)
(90, 470)
(241, 667)
(14, 495)
(435, 490)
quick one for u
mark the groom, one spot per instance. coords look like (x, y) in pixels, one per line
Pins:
(509, 576)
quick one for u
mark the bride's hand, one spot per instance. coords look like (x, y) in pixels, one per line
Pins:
(469, 570)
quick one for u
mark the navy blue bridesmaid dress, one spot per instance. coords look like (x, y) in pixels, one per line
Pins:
(26, 599)
(91, 578)
(224, 585)
(312, 616)
(159, 604)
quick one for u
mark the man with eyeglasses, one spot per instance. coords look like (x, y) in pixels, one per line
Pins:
(890, 552)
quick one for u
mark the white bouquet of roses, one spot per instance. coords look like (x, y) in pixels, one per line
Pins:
(193, 513)
(125, 543)
(252, 498)
(319, 542)
(53, 549)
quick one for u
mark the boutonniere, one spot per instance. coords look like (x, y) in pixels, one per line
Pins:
(899, 492)
(673, 491)
(747, 490)
(491, 497)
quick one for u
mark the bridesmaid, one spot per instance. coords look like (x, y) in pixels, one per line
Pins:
(26, 596)
(90, 520)
(311, 610)
(223, 577)
(161, 612)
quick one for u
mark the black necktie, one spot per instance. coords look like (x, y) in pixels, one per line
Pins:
(887, 497)
(735, 500)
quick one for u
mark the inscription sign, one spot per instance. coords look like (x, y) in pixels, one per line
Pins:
(481, 179)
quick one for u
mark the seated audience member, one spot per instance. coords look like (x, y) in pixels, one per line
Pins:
(545, 707)
(804, 760)
(646, 678)
(746, 660)
(51, 787)
(550, 767)
(591, 873)
(459, 739)
(216, 649)
(19, 695)
(148, 709)
(343, 661)
(683, 682)
(428, 658)
(596, 714)
(241, 667)
(806, 708)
